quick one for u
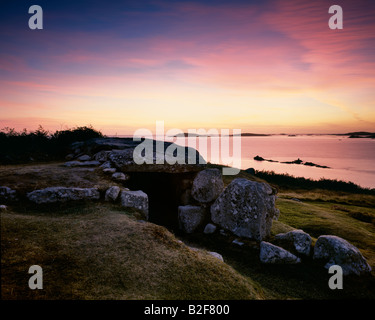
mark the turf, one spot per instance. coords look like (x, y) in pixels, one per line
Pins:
(100, 251)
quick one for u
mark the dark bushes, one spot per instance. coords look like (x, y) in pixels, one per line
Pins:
(40, 145)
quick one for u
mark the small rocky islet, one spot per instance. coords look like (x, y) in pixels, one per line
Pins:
(298, 161)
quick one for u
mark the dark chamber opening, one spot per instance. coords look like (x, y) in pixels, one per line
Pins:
(164, 192)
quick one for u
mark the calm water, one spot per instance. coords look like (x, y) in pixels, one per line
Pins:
(348, 159)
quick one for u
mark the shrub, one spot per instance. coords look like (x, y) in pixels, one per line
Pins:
(41, 145)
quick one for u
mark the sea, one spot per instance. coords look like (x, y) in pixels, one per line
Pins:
(347, 159)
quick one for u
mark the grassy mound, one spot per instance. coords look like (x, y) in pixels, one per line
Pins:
(28, 177)
(98, 251)
(101, 251)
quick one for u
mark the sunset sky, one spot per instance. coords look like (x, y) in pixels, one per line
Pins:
(259, 66)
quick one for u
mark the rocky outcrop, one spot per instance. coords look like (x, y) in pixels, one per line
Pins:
(119, 176)
(95, 145)
(121, 158)
(84, 157)
(190, 217)
(246, 208)
(269, 253)
(298, 161)
(238, 242)
(62, 194)
(209, 228)
(7, 194)
(334, 250)
(216, 255)
(250, 171)
(106, 165)
(207, 185)
(112, 193)
(300, 240)
(135, 199)
(102, 156)
(120, 152)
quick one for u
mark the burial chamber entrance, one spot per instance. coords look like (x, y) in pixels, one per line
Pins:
(166, 191)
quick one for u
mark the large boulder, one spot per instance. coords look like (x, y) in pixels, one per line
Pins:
(122, 152)
(209, 228)
(190, 217)
(95, 145)
(159, 157)
(216, 255)
(106, 165)
(112, 193)
(246, 208)
(84, 157)
(269, 253)
(334, 250)
(7, 194)
(102, 156)
(207, 185)
(135, 199)
(298, 239)
(62, 194)
(121, 158)
(119, 176)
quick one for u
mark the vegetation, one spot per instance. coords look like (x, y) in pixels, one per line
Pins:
(28, 177)
(291, 182)
(101, 251)
(319, 212)
(40, 145)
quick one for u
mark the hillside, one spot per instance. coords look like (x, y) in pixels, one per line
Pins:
(101, 252)
(98, 250)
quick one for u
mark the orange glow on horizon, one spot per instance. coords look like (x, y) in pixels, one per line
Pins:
(278, 71)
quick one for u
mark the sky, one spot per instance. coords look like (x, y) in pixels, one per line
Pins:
(260, 66)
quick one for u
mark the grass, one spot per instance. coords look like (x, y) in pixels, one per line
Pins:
(308, 280)
(319, 211)
(333, 197)
(289, 181)
(321, 218)
(28, 177)
(101, 252)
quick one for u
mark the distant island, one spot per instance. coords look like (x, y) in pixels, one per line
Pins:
(361, 135)
(351, 135)
(252, 135)
(357, 134)
(185, 134)
(298, 161)
(190, 135)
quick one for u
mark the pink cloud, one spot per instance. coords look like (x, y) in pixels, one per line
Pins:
(287, 49)
(338, 51)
